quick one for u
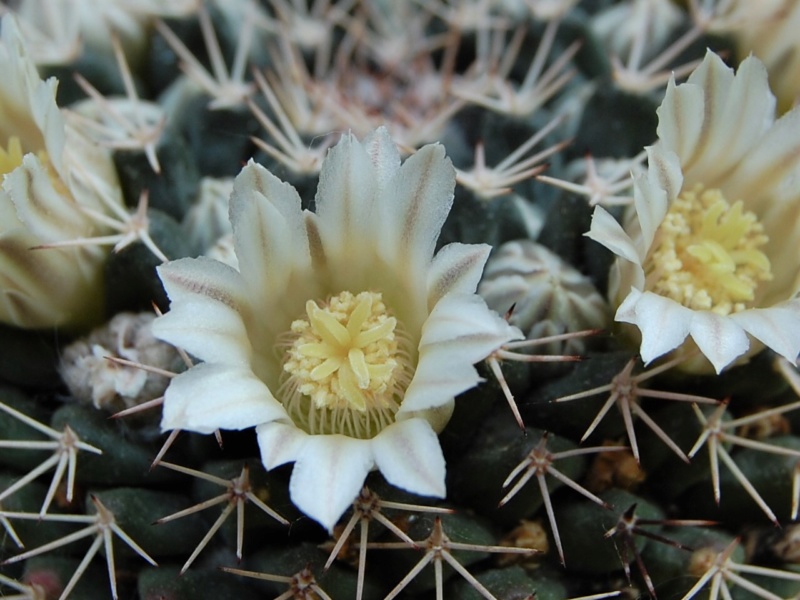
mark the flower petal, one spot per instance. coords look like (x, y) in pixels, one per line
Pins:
(460, 331)
(417, 202)
(328, 475)
(653, 192)
(279, 443)
(773, 161)
(409, 456)
(663, 322)
(715, 79)
(47, 212)
(749, 103)
(719, 338)
(207, 311)
(383, 154)
(207, 307)
(269, 231)
(208, 397)
(189, 279)
(777, 327)
(345, 197)
(208, 330)
(607, 231)
(456, 268)
(680, 117)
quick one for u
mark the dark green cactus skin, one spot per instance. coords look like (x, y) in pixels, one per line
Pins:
(482, 443)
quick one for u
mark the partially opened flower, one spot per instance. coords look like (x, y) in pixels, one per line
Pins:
(710, 247)
(774, 41)
(50, 179)
(341, 336)
(766, 29)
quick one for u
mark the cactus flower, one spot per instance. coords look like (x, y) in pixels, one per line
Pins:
(709, 248)
(341, 336)
(51, 178)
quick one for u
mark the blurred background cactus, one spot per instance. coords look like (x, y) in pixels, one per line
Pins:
(625, 481)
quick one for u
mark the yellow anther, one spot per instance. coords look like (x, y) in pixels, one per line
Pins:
(707, 253)
(345, 353)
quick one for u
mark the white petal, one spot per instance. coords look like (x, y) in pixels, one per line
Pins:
(209, 397)
(459, 332)
(269, 230)
(663, 322)
(210, 331)
(279, 443)
(416, 204)
(208, 308)
(191, 279)
(715, 78)
(383, 154)
(653, 191)
(456, 268)
(781, 224)
(777, 327)
(345, 199)
(466, 316)
(328, 475)
(680, 118)
(438, 380)
(719, 338)
(748, 103)
(45, 211)
(626, 312)
(775, 158)
(664, 172)
(607, 231)
(409, 456)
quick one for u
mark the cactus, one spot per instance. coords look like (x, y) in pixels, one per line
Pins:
(369, 299)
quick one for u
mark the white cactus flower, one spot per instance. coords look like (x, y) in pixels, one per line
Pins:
(766, 29)
(340, 336)
(51, 178)
(774, 41)
(710, 248)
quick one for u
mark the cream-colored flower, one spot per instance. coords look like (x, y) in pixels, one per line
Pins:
(775, 42)
(340, 336)
(50, 176)
(766, 29)
(710, 247)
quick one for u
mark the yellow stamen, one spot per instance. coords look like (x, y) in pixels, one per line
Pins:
(345, 354)
(707, 253)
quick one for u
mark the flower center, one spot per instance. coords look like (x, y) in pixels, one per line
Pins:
(345, 369)
(708, 253)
